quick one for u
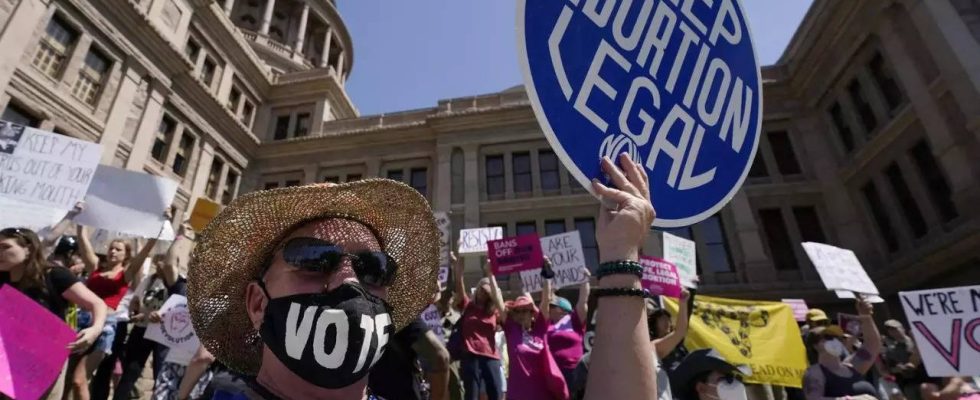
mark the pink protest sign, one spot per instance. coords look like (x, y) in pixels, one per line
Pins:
(33, 345)
(515, 254)
(660, 277)
(799, 308)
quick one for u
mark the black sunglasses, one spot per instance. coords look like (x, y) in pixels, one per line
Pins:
(375, 268)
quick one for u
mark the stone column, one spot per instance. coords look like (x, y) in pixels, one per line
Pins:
(471, 218)
(222, 181)
(119, 112)
(949, 150)
(340, 65)
(18, 35)
(301, 30)
(229, 5)
(148, 125)
(201, 179)
(267, 17)
(69, 72)
(225, 85)
(325, 56)
(175, 145)
(442, 179)
(758, 267)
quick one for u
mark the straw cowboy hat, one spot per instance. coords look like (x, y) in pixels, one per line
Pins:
(235, 247)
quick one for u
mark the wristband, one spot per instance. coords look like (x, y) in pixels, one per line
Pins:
(619, 268)
(621, 292)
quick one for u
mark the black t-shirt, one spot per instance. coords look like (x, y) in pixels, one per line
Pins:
(396, 374)
(57, 281)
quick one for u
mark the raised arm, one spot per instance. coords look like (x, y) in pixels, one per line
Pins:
(584, 290)
(86, 251)
(49, 236)
(136, 263)
(546, 296)
(495, 296)
(461, 297)
(864, 359)
(668, 343)
(621, 362)
(430, 348)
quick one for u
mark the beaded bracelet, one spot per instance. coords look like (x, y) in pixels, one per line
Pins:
(620, 267)
(621, 292)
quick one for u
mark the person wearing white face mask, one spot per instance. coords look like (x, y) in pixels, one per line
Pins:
(830, 377)
(706, 375)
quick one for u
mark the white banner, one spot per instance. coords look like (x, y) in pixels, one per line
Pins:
(44, 168)
(946, 325)
(127, 202)
(442, 221)
(21, 214)
(565, 252)
(683, 254)
(474, 241)
(175, 329)
(839, 268)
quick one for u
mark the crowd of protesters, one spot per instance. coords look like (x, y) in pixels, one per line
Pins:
(361, 257)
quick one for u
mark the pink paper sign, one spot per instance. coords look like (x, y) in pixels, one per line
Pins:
(33, 345)
(660, 277)
(515, 254)
(799, 308)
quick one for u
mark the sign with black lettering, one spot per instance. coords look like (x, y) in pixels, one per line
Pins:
(43, 168)
(442, 222)
(673, 84)
(946, 325)
(565, 252)
(474, 241)
(839, 268)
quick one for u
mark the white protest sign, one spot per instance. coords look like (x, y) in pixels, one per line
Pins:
(565, 252)
(474, 241)
(45, 168)
(442, 222)
(839, 268)
(946, 325)
(433, 319)
(683, 254)
(21, 214)
(127, 202)
(845, 294)
(175, 329)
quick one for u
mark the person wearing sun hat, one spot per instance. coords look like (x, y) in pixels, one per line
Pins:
(830, 376)
(303, 287)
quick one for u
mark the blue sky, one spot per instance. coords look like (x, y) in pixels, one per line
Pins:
(411, 54)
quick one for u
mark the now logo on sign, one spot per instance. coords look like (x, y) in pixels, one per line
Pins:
(298, 335)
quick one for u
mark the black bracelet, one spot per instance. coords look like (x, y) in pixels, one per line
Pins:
(621, 292)
(619, 268)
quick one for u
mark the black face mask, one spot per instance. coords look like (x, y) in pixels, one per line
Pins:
(329, 339)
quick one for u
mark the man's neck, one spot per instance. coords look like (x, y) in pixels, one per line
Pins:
(280, 381)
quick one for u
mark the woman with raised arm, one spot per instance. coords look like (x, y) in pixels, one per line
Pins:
(110, 280)
(567, 331)
(532, 373)
(830, 377)
(23, 267)
(480, 364)
(622, 365)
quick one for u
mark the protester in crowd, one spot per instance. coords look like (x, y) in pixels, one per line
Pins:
(501, 339)
(399, 375)
(830, 376)
(567, 329)
(450, 316)
(667, 333)
(902, 361)
(532, 373)
(480, 365)
(706, 375)
(197, 376)
(23, 267)
(302, 287)
(815, 317)
(955, 388)
(110, 280)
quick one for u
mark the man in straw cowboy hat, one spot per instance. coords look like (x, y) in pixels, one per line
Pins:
(303, 287)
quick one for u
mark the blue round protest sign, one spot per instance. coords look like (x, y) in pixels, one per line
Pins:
(673, 83)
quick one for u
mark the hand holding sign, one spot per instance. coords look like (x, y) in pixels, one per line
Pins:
(620, 231)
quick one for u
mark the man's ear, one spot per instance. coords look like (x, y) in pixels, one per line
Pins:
(255, 302)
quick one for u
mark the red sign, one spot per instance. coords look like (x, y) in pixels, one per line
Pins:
(515, 254)
(660, 277)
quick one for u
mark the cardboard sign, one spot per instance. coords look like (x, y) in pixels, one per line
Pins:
(175, 329)
(660, 277)
(799, 308)
(839, 268)
(474, 241)
(45, 168)
(683, 254)
(515, 254)
(33, 345)
(676, 87)
(204, 211)
(443, 222)
(127, 202)
(433, 319)
(946, 325)
(567, 260)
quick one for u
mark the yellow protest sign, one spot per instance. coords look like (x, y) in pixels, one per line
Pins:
(760, 334)
(204, 211)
